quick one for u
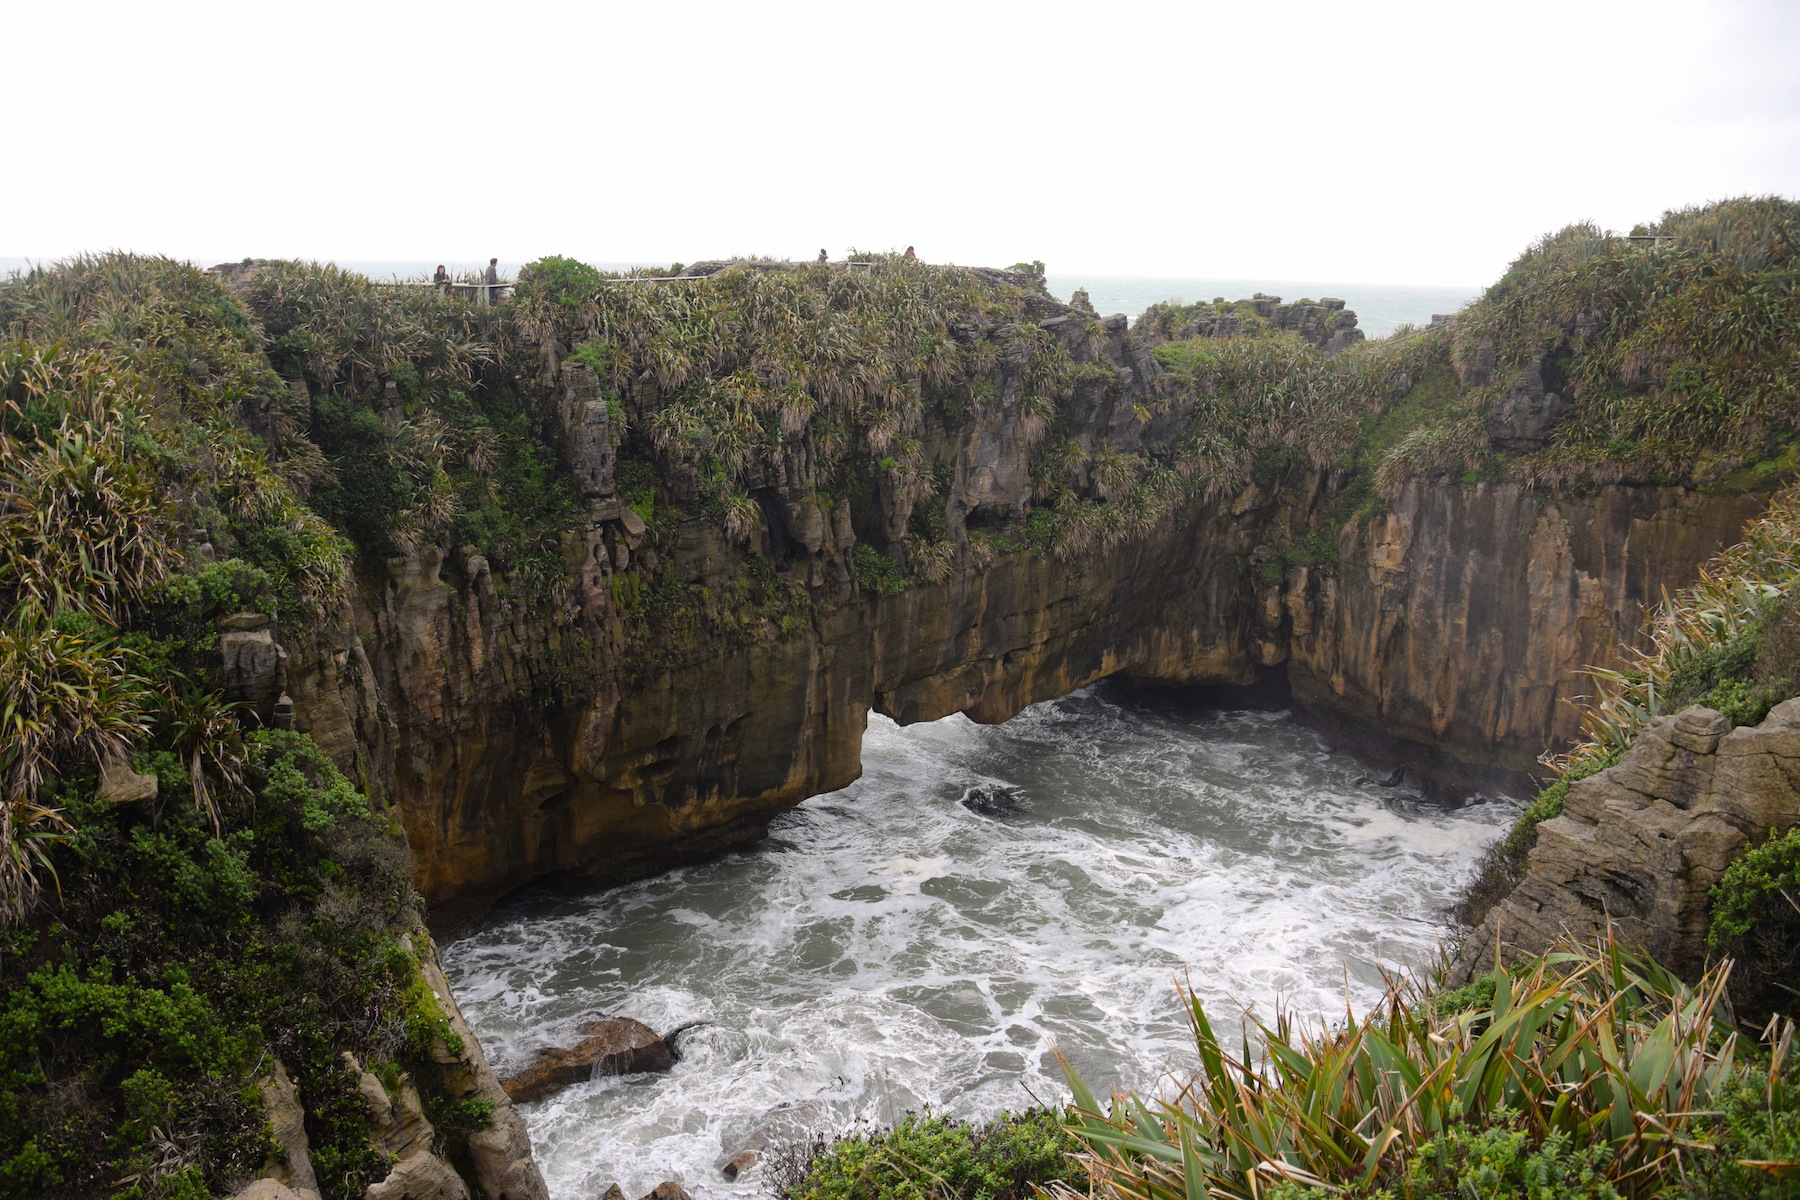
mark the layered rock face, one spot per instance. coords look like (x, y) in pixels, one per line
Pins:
(1461, 618)
(1641, 844)
(522, 739)
(1459, 621)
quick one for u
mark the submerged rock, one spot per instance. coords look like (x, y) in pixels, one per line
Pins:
(613, 1046)
(784, 1122)
(995, 800)
(668, 1189)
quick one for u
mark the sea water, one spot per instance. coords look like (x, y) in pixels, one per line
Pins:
(1380, 307)
(891, 948)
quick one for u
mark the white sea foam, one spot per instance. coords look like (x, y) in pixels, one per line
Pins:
(887, 948)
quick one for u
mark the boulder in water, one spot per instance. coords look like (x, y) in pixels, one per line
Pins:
(994, 800)
(613, 1046)
(784, 1122)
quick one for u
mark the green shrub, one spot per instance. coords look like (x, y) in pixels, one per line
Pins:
(559, 280)
(875, 572)
(941, 1158)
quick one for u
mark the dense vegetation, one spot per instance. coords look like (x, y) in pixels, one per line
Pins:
(154, 955)
(1588, 1073)
(1677, 354)
(927, 1157)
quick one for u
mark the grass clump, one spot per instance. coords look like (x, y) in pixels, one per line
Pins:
(937, 1158)
(1592, 1072)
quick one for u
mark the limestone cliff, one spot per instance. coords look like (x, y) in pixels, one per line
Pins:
(799, 493)
(584, 746)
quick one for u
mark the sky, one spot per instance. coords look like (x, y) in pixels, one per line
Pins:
(1378, 142)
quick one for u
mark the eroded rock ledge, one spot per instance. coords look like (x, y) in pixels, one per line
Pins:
(1641, 843)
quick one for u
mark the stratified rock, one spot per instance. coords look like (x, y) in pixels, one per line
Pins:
(287, 1129)
(1642, 843)
(614, 1046)
(119, 784)
(421, 1177)
(587, 431)
(252, 664)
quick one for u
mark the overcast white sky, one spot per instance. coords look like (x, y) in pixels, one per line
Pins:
(1377, 142)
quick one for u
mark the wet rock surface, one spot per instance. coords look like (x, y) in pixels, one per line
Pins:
(993, 800)
(613, 1046)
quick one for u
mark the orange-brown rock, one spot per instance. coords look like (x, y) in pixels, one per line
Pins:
(613, 1046)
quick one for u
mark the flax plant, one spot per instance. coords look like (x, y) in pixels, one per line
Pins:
(1595, 1046)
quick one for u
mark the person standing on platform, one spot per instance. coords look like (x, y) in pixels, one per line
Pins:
(823, 257)
(492, 278)
(441, 279)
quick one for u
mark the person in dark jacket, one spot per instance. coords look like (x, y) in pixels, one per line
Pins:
(441, 279)
(493, 277)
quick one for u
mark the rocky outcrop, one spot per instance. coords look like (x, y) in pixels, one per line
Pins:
(500, 1154)
(1641, 844)
(253, 664)
(1522, 419)
(612, 1046)
(293, 1168)
(119, 784)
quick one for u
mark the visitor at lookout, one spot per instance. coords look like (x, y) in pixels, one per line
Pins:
(909, 253)
(492, 277)
(823, 257)
(441, 279)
